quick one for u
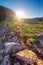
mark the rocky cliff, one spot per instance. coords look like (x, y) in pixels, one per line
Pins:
(7, 14)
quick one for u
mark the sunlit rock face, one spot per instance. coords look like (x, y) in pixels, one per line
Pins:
(23, 57)
(7, 14)
(27, 56)
(12, 47)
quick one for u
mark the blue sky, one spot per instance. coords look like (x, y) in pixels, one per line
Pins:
(32, 8)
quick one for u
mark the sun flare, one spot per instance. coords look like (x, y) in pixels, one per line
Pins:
(20, 14)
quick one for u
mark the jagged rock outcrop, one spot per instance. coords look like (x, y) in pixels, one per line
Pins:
(34, 20)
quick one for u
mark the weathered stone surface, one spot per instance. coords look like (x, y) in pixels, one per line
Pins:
(1, 45)
(13, 39)
(6, 60)
(1, 58)
(2, 53)
(12, 47)
(27, 56)
(16, 63)
(36, 45)
(40, 39)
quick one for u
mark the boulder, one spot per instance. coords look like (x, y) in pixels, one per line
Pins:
(40, 39)
(37, 46)
(27, 56)
(12, 47)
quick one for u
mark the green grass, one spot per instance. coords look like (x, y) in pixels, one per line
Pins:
(31, 39)
(23, 28)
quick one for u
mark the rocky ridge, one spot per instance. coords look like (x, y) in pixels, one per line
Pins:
(15, 52)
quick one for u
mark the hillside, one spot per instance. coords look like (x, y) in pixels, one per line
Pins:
(21, 42)
(7, 14)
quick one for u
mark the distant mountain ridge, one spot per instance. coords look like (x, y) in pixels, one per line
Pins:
(7, 14)
(34, 20)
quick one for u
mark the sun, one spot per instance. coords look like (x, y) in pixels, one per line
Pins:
(20, 14)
